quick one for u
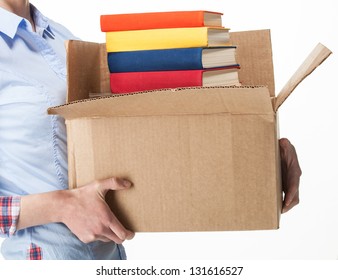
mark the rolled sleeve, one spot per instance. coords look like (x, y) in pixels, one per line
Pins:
(9, 213)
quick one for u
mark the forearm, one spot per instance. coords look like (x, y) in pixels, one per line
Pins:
(83, 210)
(43, 208)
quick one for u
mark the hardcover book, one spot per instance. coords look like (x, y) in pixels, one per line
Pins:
(168, 38)
(126, 82)
(171, 59)
(174, 19)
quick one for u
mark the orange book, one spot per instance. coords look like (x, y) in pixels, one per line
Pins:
(156, 20)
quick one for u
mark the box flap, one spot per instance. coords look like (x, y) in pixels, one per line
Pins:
(254, 54)
(313, 60)
(204, 100)
(87, 69)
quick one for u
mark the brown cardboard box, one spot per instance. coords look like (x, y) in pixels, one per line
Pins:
(200, 159)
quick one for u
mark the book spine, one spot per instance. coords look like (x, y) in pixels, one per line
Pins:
(140, 81)
(156, 39)
(155, 60)
(138, 21)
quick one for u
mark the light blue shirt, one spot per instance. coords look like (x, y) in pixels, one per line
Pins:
(33, 151)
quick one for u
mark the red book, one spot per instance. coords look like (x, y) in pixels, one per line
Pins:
(155, 20)
(126, 82)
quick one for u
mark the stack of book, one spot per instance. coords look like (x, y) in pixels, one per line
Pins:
(148, 51)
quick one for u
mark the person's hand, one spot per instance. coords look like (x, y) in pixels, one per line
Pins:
(89, 217)
(291, 173)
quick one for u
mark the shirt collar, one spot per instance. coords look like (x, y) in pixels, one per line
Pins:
(41, 23)
(10, 22)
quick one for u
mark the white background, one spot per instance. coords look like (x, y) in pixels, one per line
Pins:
(308, 118)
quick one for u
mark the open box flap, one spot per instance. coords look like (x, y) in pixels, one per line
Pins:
(313, 60)
(87, 69)
(204, 100)
(254, 55)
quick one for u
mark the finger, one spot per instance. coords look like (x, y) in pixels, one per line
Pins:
(124, 235)
(291, 185)
(108, 235)
(289, 156)
(290, 170)
(293, 203)
(113, 183)
(120, 230)
(112, 233)
(111, 236)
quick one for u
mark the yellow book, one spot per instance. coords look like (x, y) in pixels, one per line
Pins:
(168, 38)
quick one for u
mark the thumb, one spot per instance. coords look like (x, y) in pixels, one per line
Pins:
(113, 183)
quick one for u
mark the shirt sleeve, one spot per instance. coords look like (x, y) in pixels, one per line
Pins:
(9, 213)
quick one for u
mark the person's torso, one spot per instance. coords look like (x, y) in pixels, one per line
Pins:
(33, 151)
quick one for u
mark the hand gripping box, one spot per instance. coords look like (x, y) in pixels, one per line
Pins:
(200, 159)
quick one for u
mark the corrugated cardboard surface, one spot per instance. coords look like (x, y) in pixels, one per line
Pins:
(206, 159)
(254, 54)
(201, 159)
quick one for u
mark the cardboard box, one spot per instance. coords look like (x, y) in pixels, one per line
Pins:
(200, 159)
